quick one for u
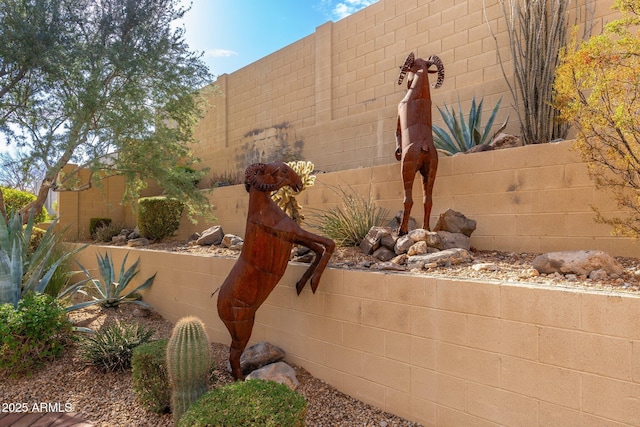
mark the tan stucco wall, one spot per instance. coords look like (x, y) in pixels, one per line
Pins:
(438, 351)
(529, 199)
(331, 97)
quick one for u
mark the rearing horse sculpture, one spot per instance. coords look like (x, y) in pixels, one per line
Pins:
(269, 236)
(414, 139)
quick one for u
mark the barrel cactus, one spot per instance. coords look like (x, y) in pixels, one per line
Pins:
(188, 362)
(285, 196)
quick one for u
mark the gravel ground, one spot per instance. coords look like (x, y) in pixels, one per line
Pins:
(108, 399)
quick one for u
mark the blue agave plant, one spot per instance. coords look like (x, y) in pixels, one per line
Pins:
(464, 134)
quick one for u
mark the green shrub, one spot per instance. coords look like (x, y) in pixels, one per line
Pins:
(159, 217)
(247, 403)
(464, 135)
(14, 200)
(149, 375)
(35, 332)
(349, 224)
(95, 223)
(110, 349)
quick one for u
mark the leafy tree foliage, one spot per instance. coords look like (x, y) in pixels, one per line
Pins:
(598, 89)
(114, 89)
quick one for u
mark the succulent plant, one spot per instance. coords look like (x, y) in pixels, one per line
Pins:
(285, 196)
(188, 363)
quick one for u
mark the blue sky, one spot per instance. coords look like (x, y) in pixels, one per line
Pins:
(234, 33)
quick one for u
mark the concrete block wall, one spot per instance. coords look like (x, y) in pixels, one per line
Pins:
(534, 199)
(438, 351)
(331, 97)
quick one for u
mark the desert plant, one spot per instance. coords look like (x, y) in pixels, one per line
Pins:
(106, 232)
(248, 403)
(285, 196)
(23, 269)
(110, 348)
(95, 223)
(349, 224)
(149, 376)
(537, 31)
(34, 332)
(463, 135)
(188, 362)
(111, 290)
(597, 90)
(225, 178)
(159, 217)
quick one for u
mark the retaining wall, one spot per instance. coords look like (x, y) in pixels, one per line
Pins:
(441, 352)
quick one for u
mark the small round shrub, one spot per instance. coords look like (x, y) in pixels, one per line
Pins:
(111, 348)
(15, 200)
(247, 403)
(159, 217)
(33, 333)
(149, 376)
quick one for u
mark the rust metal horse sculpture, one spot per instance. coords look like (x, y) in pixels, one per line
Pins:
(269, 237)
(414, 140)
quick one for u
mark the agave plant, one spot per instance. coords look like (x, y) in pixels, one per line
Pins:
(464, 135)
(110, 291)
(22, 268)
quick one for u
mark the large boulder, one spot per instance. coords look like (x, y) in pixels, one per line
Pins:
(455, 222)
(211, 236)
(447, 257)
(259, 355)
(279, 372)
(577, 262)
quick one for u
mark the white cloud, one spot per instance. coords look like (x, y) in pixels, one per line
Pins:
(343, 8)
(347, 7)
(217, 53)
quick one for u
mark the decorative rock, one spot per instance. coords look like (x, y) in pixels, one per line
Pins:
(211, 236)
(388, 266)
(418, 235)
(599, 274)
(306, 258)
(400, 259)
(119, 240)
(442, 258)
(485, 266)
(505, 140)
(135, 234)
(394, 224)
(479, 148)
(279, 372)
(388, 241)
(418, 248)
(134, 243)
(259, 355)
(384, 254)
(577, 262)
(529, 272)
(371, 241)
(455, 222)
(231, 241)
(454, 240)
(403, 244)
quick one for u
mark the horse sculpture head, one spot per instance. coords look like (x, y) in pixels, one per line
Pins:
(270, 177)
(412, 65)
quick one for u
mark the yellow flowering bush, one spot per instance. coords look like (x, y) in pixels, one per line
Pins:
(285, 196)
(597, 88)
